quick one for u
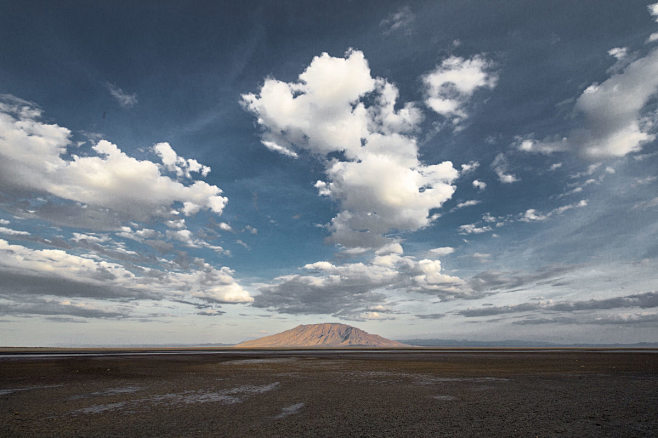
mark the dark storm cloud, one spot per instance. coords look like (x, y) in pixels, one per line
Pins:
(66, 319)
(53, 242)
(204, 309)
(636, 319)
(160, 245)
(66, 214)
(199, 306)
(211, 313)
(430, 316)
(298, 296)
(108, 251)
(23, 283)
(644, 301)
(496, 280)
(42, 307)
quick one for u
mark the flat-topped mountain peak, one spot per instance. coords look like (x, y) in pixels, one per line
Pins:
(322, 335)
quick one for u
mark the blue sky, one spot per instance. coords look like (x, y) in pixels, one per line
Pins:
(178, 173)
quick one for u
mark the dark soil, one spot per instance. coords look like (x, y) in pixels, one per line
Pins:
(411, 394)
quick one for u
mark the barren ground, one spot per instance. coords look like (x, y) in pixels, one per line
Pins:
(421, 393)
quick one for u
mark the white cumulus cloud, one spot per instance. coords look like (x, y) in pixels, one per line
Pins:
(352, 290)
(613, 123)
(452, 83)
(480, 185)
(653, 10)
(442, 251)
(12, 232)
(179, 165)
(532, 215)
(33, 157)
(97, 277)
(337, 107)
(473, 229)
(469, 203)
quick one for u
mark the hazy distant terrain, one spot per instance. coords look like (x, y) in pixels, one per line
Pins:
(515, 343)
(322, 335)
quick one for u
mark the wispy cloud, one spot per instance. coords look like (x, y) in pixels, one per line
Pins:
(126, 100)
(532, 215)
(500, 165)
(469, 203)
(399, 21)
(473, 229)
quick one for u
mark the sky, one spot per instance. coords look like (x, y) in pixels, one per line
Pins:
(208, 172)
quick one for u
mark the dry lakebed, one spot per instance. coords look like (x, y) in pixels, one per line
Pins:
(329, 393)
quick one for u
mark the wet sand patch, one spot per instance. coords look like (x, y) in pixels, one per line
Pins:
(259, 361)
(97, 409)
(227, 397)
(108, 392)
(9, 391)
(444, 397)
(290, 410)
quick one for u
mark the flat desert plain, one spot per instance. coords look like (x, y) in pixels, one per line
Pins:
(335, 393)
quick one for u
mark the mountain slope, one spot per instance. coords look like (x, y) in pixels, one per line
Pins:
(322, 335)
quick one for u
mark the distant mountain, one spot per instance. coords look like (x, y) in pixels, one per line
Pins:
(322, 335)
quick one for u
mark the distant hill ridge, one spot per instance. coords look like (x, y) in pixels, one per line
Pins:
(322, 335)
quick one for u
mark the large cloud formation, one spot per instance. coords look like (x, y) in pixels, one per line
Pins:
(352, 289)
(40, 162)
(613, 123)
(338, 111)
(56, 273)
(643, 301)
(34, 157)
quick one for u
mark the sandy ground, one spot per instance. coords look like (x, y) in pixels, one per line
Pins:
(333, 395)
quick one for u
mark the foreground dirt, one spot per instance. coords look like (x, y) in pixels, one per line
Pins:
(333, 395)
